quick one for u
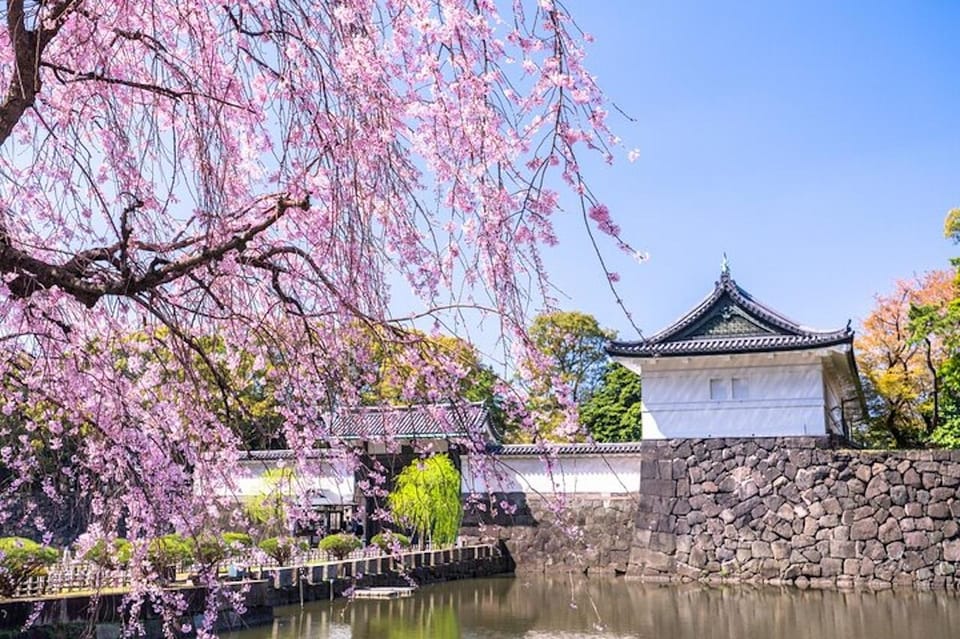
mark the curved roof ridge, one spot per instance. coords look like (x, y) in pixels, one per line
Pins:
(722, 334)
(686, 319)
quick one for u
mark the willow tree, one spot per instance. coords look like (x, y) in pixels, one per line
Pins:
(261, 173)
(427, 498)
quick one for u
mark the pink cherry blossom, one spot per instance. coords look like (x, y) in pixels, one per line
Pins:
(202, 200)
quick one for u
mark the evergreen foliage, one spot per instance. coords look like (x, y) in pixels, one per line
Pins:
(388, 540)
(281, 549)
(20, 559)
(115, 555)
(613, 412)
(340, 544)
(170, 550)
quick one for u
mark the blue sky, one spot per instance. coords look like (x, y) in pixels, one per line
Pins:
(817, 143)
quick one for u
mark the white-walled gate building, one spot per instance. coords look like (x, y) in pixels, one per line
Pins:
(733, 367)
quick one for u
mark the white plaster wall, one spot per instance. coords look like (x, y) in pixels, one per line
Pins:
(336, 486)
(785, 398)
(611, 474)
(426, 446)
(833, 397)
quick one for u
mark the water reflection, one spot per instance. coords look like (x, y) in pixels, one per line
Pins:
(511, 608)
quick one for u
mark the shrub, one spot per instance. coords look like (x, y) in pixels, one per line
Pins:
(281, 548)
(21, 559)
(388, 540)
(169, 550)
(209, 550)
(340, 545)
(236, 540)
(102, 555)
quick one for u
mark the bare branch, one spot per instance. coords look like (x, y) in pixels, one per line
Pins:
(75, 277)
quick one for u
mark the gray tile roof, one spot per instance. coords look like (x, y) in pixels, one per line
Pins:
(428, 421)
(730, 321)
(498, 450)
(530, 450)
(278, 454)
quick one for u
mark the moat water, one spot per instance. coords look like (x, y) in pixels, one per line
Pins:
(539, 608)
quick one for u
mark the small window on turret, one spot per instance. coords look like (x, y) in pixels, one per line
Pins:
(740, 388)
(718, 389)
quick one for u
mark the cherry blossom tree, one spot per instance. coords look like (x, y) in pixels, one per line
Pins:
(258, 175)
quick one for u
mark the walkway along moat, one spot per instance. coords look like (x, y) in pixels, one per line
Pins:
(264, 589)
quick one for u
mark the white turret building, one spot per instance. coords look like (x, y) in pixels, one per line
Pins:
(733, 367)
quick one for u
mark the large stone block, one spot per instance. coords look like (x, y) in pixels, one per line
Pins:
(843, 549)
(659, 487)
(916, 540)
(951, 550)
(938, 510)
(663, 542)
(877, 486)
(831, 567)
(651, 561)
(649, 469)
(890, 531)
(863, 529)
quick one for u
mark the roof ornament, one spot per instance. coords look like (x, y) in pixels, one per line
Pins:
(725, 266)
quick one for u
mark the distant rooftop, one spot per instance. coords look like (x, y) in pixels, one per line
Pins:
(499, 450)
(424, 421)
(563, 450)
(729, 320)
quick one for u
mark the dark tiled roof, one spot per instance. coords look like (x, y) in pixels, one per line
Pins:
(433, 421)
(499, 450)
(729, 320)
(287, 453)
(527, 450)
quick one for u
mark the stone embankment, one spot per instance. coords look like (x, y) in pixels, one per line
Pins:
(795, 511)
(589, 533)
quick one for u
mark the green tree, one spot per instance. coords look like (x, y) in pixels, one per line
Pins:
(393, 371)
(115, 554)
(398, 359)
(936, 328)
(427, 498)
(282, 549)
(572, 345)
(574, 342)
(951, 226)
(612, 412)
(340, 544)
(235, 386)
(21, 559)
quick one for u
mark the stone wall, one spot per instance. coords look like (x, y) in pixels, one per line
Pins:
(797, 511)
(794, 510)
(589, 533)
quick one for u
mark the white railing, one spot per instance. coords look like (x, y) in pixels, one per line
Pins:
(73, 576)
